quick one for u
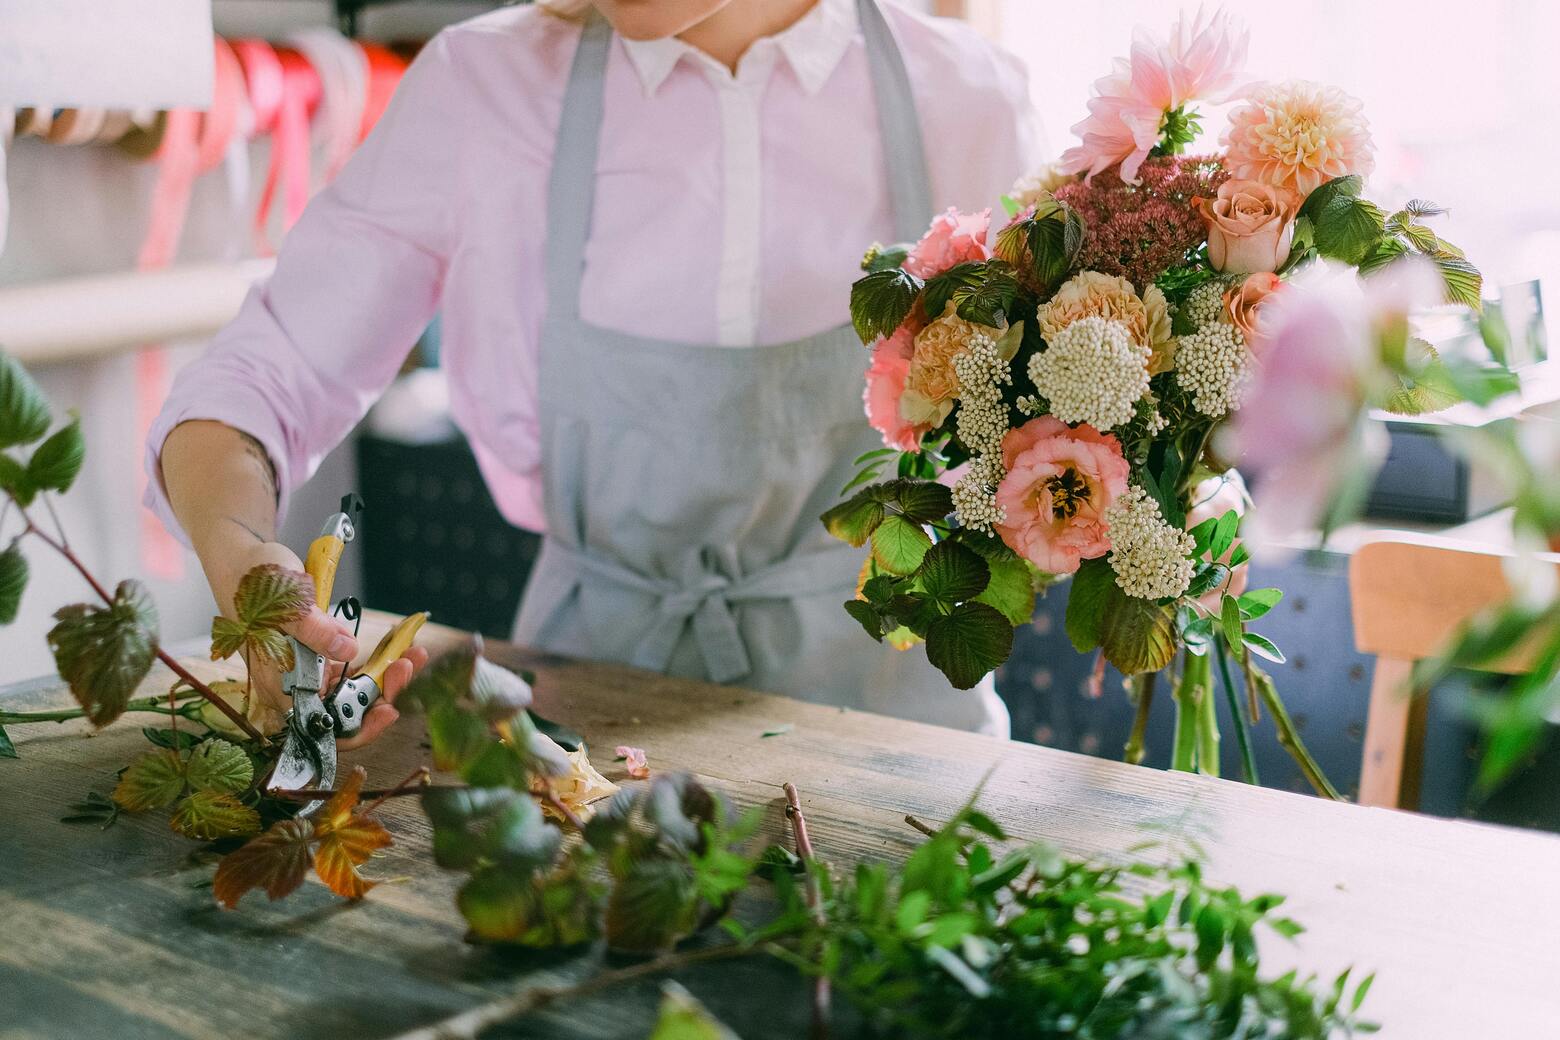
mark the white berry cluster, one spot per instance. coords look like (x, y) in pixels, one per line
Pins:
(1213, 365)
(1204, 304)
(982, 373)
(1153, 420)
(975, 495)
(1092, 372)
(1150, 558)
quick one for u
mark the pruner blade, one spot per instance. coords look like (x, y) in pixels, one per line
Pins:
(308, 756)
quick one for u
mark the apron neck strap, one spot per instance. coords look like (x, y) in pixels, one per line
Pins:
(571, 189)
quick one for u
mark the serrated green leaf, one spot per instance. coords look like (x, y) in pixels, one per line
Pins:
(1209, 577)
(1089, 593)
(217, 765)
(867, 616)
(209, 815)
(1044, 246)
(152, 781)
(1344, 226)
(898, 545)
(969, 641)
(1011, 590)
(681, 1017)
(653, 905)
(854, 521)
(268, 597)
(13, 582)
(15, 482)
(1263, 647)
(457, 736)
(55, 463)
(24, 412)
(885, 258)
(103, 653)
(1424, 385)
(1463, 282)
(1137, 635)
(950, 573)
(922, 501)
(880, 302)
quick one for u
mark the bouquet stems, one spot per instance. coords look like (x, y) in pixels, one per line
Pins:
(1133, 753)
(1248, 761)
(1188, 696)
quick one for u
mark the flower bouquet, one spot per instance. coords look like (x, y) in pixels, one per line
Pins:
(1055, 404)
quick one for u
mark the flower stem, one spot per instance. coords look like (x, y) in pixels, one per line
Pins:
(178, 669)
(822, 998)
(1183, 755)
(1288, 735)
(413, 783)
(1135, 751)
(1207, 725)
(1248, 761)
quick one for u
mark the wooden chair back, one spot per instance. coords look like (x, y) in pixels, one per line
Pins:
(1409, 595)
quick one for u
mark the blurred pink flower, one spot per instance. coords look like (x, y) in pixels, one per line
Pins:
(1300, 432)
(1297, 135)
(886, 377)
(1060, 481)
(953, 238)
(1199, 62)
(634, 758)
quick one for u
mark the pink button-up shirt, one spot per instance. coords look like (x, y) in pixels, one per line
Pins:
(730, 209)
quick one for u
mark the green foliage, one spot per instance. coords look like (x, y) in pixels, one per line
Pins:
(1136, 635)
(268, 598)
(210, 815)
(885, 258)
(968, 641)
(24, 412)
(13, 582)
(204, 778)
(681, 1017)
(54, 465)
(976, 938)
(1344, 226)
(103, 653)
(1404, 232)
(1042, 249)
(881, 300)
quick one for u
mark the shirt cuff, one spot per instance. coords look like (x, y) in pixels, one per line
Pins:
(243, 410)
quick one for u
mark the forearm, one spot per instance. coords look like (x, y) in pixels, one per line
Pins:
(222, 487)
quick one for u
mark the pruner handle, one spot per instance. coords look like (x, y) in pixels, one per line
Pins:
(395, 643)
(325, 554)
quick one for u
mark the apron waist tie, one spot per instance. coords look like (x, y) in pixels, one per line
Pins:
(705, 597)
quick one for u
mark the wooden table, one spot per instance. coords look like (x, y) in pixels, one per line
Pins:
(114, 934)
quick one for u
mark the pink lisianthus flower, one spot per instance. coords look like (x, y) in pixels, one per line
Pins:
(634, 759)
(954, 238)
(886, 377)
(1059, 482)
(1199, 62)
(1300, 432)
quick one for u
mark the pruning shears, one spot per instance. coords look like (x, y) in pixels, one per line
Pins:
(319, 717)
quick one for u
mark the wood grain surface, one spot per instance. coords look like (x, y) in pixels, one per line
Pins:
(114, 933)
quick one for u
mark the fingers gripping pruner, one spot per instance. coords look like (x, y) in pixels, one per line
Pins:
(319, 717)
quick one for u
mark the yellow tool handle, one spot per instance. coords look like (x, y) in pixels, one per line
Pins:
(392, 646)
(324, 555)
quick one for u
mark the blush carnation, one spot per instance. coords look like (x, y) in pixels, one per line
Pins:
(954, 238)
(1298, 135)
(932, 381)
(886, 377)
(1053, 498)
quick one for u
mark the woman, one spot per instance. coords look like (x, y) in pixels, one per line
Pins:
(640, 222)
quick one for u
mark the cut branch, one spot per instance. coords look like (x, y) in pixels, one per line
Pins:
(413, 783)
(822, 998)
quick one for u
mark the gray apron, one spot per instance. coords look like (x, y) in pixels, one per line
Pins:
(683, 482)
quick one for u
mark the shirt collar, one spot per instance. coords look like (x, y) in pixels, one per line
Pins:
(814, 45)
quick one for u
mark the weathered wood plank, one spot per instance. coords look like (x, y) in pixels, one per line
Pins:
(107, 934)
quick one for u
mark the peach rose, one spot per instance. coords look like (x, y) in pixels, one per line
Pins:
(954, 238)
(1250, 226)
(886, 377)
(1212, 498)
(1243, 303)
(1060, 481)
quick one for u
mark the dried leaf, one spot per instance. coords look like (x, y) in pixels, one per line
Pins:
(275, 861)
(209, 815)
(346, 840)
(105, 652)
(580, 785)
(267, 598)
(217, 765)
(634, 759)
(152, 781)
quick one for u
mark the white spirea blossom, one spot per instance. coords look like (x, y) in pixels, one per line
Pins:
(1204, 304)
(1150, 558)
(1092, 372)
(982, 373)
(975, 495)
(1213, 365)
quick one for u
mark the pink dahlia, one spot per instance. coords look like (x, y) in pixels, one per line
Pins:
(1059, 482)
(886, 377)
(1297, 135)
(954, 238)
(1200, 62)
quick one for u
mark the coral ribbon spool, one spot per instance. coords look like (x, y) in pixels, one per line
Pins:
(343, 71)
(385, 69)
(289, 169)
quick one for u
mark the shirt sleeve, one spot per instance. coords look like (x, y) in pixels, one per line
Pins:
(356, 281)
